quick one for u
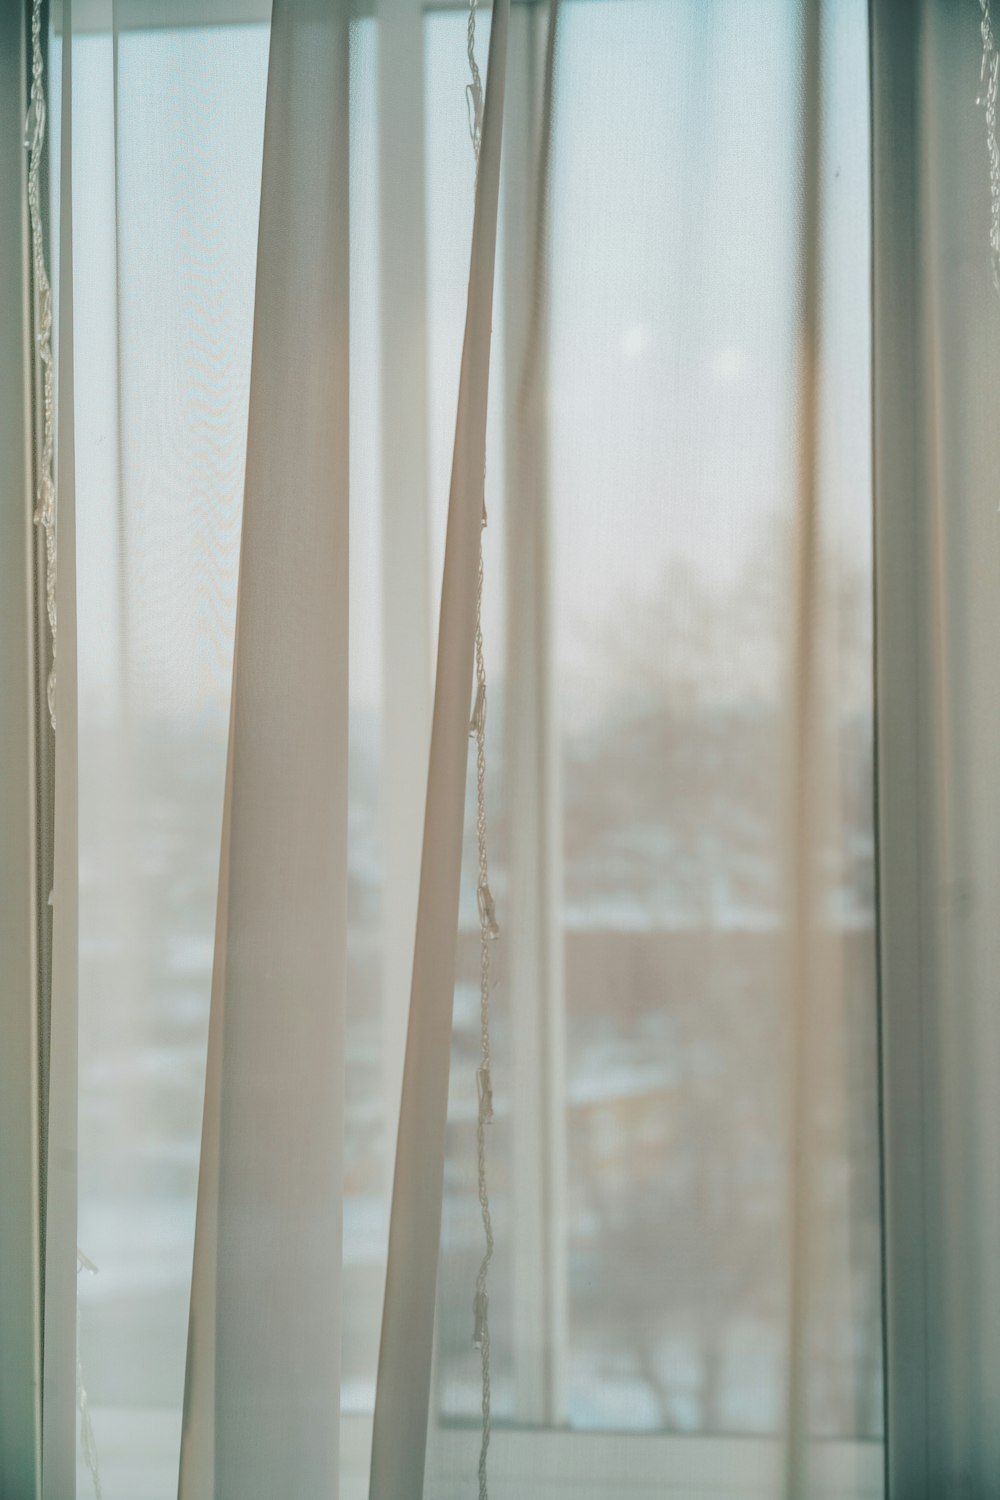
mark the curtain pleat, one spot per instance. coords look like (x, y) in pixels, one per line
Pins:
(262, 1385)
(531, 749)
(937, 532)
(805, 962)
(59, 1311)
(404, 1369)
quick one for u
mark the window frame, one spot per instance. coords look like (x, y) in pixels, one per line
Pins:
(20, 1230)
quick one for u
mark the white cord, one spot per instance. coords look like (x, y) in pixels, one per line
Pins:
(488, 929)
(45, 513)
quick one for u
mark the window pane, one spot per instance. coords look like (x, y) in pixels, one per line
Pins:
(673, 448)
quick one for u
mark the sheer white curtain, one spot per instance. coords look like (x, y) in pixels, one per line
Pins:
(262, 1378)
(643, 1303)
(300, 339)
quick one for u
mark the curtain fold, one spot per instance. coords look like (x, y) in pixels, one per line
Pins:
(937, 458)
(807, 755)
(263, 1384)
(404, 1369)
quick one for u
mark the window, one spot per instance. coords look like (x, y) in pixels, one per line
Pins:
(635, 649)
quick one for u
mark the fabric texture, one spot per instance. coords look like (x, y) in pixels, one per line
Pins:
(264, 1327)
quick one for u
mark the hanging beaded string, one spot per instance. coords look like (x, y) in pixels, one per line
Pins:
(988, 100)
(488, 929)
(45, 513)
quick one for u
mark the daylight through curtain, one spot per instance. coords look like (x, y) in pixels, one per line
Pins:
(303, 341)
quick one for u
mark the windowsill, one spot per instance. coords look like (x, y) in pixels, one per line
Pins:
(138, 1456)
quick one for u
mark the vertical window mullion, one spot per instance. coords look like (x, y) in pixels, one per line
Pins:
(538, 1215)
(407, 604)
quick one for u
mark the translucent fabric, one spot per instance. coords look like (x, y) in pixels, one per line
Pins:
(655, 380)
(263, 1368)
(308, 340)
